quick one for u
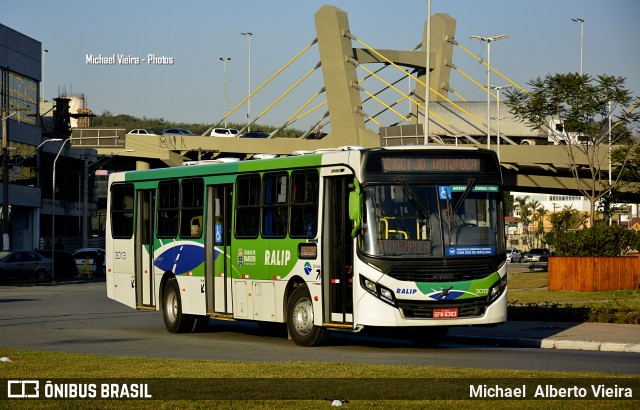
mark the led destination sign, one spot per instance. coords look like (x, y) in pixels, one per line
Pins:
(429, 164)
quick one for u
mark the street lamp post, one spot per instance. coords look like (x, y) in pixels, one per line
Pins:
(581, 21)
(36, 149)
(249, 35)
(498, 88)
(53, 210)
(488, 41)
(224, 60)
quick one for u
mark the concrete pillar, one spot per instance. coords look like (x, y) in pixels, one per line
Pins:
(443, 28)
(347, 125)
(142, 165)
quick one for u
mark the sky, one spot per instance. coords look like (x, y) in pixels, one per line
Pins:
(196, 34)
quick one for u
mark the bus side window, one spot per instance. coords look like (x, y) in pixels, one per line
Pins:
(168, 203)
(274, 205)
(247, 206)
(305, 186)
(191, 208)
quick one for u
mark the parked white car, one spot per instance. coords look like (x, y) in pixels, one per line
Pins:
(94, 258)
(224, 132)
(141, 131)
(514, 255)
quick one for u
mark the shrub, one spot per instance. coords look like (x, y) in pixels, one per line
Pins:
(600, 240)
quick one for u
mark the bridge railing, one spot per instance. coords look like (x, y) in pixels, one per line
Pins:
(401, 135)
(99, 137)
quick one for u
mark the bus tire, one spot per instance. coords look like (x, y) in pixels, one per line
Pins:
(428, 336)
(300, 320)
(174, 319)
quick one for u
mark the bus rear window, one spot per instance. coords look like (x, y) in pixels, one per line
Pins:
(122, 211)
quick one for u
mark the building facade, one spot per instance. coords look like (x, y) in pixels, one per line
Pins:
(29, 150)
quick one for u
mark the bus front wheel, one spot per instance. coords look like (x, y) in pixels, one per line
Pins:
(300, 320)
(174, 319)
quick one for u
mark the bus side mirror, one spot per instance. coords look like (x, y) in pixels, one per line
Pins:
(355, 211)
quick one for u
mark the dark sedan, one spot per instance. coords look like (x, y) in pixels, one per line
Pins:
(254, 134)
(65, 264)
(24, 265)
(536, 255)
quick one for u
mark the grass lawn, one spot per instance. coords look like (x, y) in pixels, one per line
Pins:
(54, 366)
(531, 287)
(529, 299)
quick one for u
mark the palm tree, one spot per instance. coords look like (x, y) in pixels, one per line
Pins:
(532, 206)
(539, 216)
(568, 219)
(521, 204)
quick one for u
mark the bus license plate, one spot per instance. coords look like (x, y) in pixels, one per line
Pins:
(446, 313)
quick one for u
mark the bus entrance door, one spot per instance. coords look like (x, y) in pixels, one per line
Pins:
(217, 250)
(337, 251)
(144, 248)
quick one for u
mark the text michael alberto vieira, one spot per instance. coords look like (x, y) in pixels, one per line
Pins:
(549, 391)
(126, 59)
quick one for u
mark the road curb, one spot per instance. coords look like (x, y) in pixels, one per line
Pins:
(495, 341)
(547, 343)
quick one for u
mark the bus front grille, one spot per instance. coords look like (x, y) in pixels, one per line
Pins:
(424, 310)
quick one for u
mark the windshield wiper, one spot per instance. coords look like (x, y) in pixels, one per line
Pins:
(414, 199)
(465, 194)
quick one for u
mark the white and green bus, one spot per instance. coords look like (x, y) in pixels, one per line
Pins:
(410, 238)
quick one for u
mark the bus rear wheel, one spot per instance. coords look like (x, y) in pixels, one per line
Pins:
(174, 319)
(300, 320)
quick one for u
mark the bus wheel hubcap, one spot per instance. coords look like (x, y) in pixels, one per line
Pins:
(303, 317)
(172, 307)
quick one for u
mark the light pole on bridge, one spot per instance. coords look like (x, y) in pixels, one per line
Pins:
(249, 35)
(224, 60)
(498, 88)
(488, 40)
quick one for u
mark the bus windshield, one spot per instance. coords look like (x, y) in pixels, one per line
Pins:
(431, 221)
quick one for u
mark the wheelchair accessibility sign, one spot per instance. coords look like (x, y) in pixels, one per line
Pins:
(445, 192)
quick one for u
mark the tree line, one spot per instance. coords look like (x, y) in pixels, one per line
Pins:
(157, 125)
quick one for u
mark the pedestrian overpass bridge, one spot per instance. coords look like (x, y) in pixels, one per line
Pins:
(530, 168)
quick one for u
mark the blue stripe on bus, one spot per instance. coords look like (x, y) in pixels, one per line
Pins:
(180, 259)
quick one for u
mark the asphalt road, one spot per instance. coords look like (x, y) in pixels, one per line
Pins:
(79, 318)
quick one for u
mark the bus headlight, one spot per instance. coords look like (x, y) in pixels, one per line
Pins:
(497, 289)
(386, 294)
(378, 291)
(370, 286)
